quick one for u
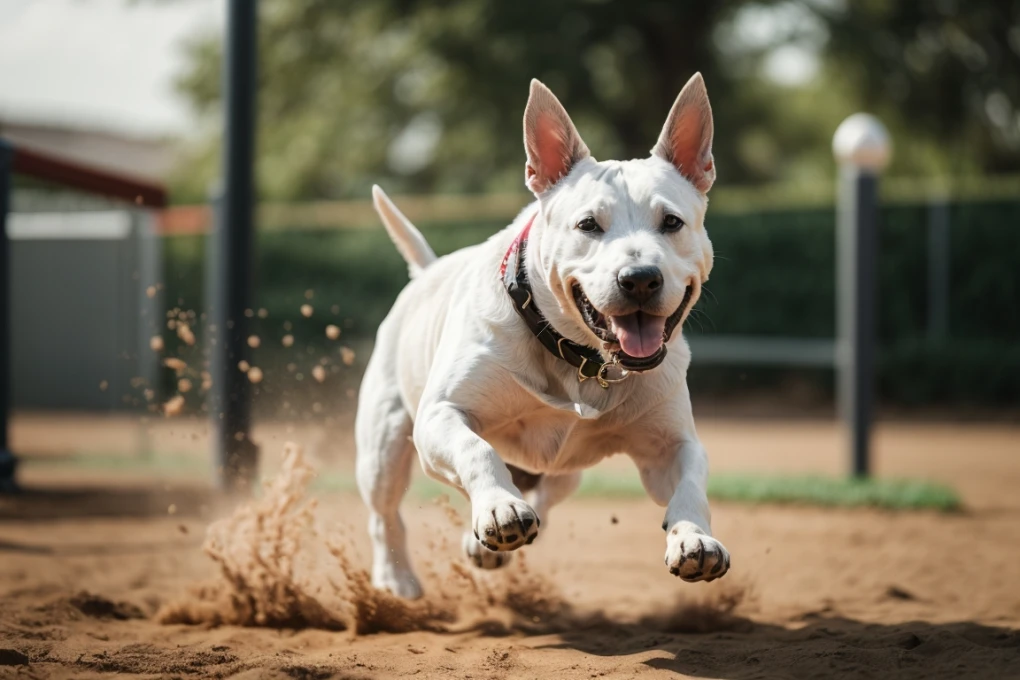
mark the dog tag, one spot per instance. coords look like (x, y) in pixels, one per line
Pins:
(587, 412)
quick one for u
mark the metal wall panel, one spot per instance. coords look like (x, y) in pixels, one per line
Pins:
(80, 314)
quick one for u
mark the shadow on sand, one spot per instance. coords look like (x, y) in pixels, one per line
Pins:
(812, 647)
(47, 504)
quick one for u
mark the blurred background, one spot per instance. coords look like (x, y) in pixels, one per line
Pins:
(426, 99)
(147, 375)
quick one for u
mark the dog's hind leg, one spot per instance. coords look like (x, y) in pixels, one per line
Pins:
(383, 432)
(552, 490)
(547, 491)
(482, 557)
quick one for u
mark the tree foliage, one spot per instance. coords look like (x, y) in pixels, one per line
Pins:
(428, 95)
(949, 68)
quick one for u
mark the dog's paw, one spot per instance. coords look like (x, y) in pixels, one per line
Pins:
(504, 522)
(695, 557)
(399, 581)
(482, 557)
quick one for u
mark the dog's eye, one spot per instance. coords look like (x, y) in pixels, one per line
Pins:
(672, 223)
(589, 225)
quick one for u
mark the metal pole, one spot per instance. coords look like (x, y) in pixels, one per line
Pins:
(151, 321)
(233, 235)
(861, 145)
(8, 463)
(859, 225)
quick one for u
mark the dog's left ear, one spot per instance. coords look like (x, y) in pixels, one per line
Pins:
(550, 140)
(686, 138)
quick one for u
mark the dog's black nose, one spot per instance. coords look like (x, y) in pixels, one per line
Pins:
(640, 283)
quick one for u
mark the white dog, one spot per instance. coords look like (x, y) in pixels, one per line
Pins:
(513, 365)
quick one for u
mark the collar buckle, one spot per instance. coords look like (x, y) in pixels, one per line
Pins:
(604, 381)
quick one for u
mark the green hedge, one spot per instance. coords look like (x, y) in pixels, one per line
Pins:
(773, 275)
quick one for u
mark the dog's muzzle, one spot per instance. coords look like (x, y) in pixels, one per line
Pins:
(588, 361)
(598, 324)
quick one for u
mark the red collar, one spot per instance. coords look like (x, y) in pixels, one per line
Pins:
(522, 237)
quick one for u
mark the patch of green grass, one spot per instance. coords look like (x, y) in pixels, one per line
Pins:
(334, 482)
(602, 485)
(889, 494)
(162, 463)
(422, 488)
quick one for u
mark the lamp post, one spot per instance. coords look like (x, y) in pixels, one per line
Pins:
(862, 150)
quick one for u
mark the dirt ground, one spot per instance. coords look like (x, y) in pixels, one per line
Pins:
(92, 567)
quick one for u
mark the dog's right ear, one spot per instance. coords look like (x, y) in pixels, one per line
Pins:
(550, 140)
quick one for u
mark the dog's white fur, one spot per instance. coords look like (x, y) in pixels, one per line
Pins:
(457, 375)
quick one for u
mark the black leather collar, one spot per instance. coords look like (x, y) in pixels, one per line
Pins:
(588, 361)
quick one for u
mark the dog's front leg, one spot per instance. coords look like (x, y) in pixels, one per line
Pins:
(452, 451)
(678, 481)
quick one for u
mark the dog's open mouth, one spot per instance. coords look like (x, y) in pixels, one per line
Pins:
(639, 336)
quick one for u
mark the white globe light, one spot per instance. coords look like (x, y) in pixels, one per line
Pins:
(863, 141)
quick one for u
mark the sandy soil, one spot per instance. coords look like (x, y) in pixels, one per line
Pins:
(90, 574)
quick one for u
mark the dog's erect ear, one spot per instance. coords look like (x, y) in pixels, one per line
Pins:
(686, 138)
(550, 140)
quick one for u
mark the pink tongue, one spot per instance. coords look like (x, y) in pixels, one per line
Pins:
(640, 334)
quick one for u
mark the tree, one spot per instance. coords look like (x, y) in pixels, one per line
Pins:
(428, 95)
(950, 69)
(340, 80)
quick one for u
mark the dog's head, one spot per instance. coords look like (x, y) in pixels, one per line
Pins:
(622, 247)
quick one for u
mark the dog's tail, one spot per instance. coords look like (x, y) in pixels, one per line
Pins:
(409, 241)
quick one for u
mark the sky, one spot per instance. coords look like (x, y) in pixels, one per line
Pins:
(101, 63)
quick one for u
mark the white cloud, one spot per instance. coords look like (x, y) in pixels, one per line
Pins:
(106, 63)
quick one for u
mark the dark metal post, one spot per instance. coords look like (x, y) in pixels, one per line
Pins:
(232, 238)
(8, 463)
(859, 252)
(861, 146)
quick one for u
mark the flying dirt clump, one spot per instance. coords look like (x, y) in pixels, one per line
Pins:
(257, 550)
(277, 570)
(174, 406)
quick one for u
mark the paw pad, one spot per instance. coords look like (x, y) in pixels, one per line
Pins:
(696, 557)
(505, 524)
